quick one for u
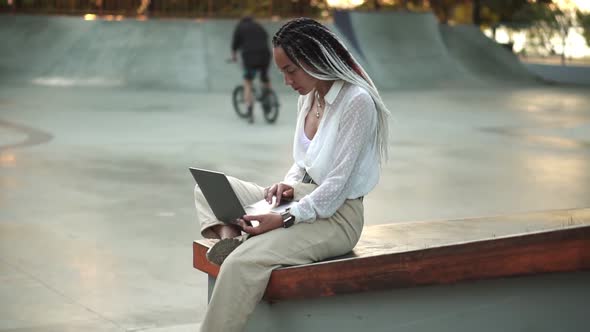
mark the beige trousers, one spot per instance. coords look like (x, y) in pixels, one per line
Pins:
(244, 275)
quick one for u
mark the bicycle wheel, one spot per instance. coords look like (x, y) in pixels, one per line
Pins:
(270, 106)
(239, 102)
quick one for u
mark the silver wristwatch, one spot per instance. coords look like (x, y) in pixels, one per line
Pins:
(288, 218)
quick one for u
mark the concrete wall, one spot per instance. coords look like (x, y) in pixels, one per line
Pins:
(543, 303)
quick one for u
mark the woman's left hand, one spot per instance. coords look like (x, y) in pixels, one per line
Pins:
(268, 222)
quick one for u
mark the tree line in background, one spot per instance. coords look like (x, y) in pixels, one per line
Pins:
(542, 20)
(479, 12)
(545, 21)
(168, 8)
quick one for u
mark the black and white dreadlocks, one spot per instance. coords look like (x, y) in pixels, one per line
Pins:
(319, 52)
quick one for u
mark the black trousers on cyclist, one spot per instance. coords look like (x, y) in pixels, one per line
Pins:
(254, 62)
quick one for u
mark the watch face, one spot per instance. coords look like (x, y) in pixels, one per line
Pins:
(288, 222)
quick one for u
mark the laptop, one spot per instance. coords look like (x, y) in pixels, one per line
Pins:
(223, 200)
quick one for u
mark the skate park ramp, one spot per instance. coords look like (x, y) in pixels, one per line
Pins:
(406, 50)
(343, 28)
(154, 54)
(483, 57)
(69, 51)
(399, 50)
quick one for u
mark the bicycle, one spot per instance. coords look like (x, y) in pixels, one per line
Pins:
(266, 97)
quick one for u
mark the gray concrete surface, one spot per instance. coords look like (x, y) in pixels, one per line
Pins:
(155, 54)
(96, 214)
(573, 75)
(404, 50)
(96, 211)
(483, 57)
(544, 303)
(422, 61)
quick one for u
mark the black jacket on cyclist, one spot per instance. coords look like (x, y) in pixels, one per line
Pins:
(252, 41)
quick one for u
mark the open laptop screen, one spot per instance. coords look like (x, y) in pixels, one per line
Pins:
(219, 194)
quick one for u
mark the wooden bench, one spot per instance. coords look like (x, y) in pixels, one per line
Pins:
(454, 257)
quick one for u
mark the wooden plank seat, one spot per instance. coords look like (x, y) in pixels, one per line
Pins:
(437, 252)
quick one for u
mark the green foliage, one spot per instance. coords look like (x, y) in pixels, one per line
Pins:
(584, 22)
(548, 17)
(377, 5)
(534, 13)
(500, 10)
(540, 24)
(544, 21)
(492, 12)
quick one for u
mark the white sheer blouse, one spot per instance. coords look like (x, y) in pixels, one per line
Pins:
(342, 158)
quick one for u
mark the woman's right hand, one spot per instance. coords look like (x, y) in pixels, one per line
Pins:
(279, 190)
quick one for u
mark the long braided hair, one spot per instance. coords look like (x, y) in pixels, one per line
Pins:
(318, 51)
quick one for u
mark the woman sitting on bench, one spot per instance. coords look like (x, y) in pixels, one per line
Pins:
(340, 141)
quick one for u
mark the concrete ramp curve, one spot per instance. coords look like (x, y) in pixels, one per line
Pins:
(400, 50)
(483, 57)
(404, 50)
(153, 54)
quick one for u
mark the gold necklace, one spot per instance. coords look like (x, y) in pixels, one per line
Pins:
(317, 110)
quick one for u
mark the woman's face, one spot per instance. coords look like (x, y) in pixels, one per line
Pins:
(294, 76)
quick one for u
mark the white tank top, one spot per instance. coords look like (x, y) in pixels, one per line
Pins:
(304, 141)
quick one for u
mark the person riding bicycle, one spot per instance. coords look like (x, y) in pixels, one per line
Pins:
(251, 39)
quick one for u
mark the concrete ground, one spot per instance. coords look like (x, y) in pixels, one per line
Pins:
(96, 211)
